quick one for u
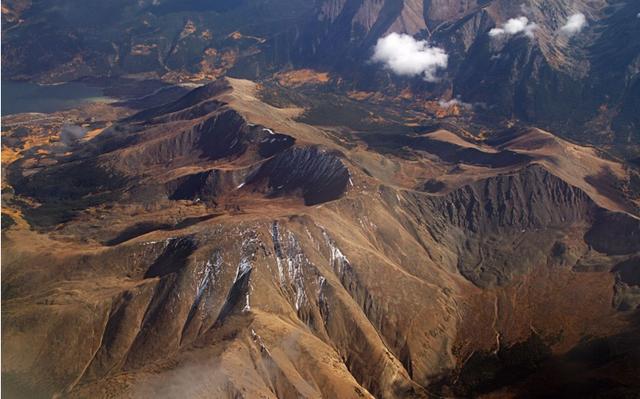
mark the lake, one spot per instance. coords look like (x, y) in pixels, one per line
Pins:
(18, 97)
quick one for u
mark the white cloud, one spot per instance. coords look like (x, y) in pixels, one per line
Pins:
(453, 102)
(515, 26)
(575, 24)
(407, 56)
(71, 133)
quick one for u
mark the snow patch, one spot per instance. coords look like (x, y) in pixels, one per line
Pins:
(288, 252)
(338, 260)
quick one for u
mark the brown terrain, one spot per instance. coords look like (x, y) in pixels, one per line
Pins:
(221, 246)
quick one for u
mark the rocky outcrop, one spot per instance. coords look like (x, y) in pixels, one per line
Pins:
(206, 186)
(532, 198)
(488, 222)
(318, 174)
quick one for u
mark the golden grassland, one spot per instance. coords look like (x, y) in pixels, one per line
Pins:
(300, 77)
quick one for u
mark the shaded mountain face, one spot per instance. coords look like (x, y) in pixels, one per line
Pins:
(584, 85)
(216, 245)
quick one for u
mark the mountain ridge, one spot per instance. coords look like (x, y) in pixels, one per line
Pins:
(232, 290)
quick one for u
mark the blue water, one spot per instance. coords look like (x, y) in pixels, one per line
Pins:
(18, 97)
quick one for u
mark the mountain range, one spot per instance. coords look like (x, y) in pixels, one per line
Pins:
(327, 199)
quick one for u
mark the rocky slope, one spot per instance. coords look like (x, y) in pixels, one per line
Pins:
(217, 246)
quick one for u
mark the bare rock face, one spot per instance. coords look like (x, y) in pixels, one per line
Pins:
(476, 218)
(207, 185)
(320, 176)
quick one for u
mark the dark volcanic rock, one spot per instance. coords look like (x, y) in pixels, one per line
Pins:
(222, 135)
(207, 185)
(274, 144)
(320, 175)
